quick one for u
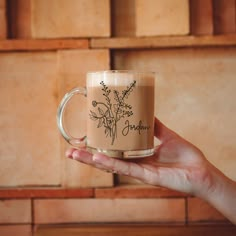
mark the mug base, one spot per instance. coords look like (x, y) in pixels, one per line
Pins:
(121, 154)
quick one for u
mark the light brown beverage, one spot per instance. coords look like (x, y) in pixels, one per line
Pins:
(121, 117)
(120, 114)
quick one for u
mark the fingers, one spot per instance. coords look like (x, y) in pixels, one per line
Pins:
(118, 166)
(162, 132)
(106, 163)
(82, 156)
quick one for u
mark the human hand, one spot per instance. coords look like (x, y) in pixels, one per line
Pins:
(177, 164)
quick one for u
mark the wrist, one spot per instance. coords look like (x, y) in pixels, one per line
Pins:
(221, 193)
(213, 183)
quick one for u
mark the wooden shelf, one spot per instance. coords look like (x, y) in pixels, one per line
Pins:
(126, 191)
(164, 42)
(46, 193)
(118, 43)
(135, 229)
(42, 44)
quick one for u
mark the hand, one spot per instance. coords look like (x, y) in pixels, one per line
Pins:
(177, 164)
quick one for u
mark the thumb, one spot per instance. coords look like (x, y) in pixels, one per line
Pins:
(162, 132)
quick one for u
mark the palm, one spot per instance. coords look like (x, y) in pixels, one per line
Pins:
(175, 165)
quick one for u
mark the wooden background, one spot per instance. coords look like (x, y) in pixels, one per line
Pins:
(46, 48)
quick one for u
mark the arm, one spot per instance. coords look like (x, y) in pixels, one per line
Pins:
(222, 195)
(177, 164)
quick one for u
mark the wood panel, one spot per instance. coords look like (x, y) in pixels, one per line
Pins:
(73, 66)
(3, 20)
(19, 12)
(201, 17)
(63, 19)
(160, 17)
(137, 230)
(42, 45)
(19, 230)
(46, 193)
(164, 42)
(123, 18)
(29, 140)
(56, 211)
(224, 16)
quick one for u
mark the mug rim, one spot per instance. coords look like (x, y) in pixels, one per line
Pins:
(123, 71)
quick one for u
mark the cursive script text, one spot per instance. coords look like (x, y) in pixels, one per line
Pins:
(130, 127)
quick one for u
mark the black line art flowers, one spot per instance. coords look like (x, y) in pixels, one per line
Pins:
(108, 114)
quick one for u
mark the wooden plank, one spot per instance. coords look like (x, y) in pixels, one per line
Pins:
(28, 96)
(165, 42)
(41, 44)
(224, 16)
(68, 211)
(67, 19)
(19, 230)
(123, 18)
(15, 211)
(127, 191)
(3, 20)
(117, 43)
(19, 18)
(201, 211)
(201, 17)
(135, 230)
(136, 191)
(73, 66)
(47, 193)
(161, 17)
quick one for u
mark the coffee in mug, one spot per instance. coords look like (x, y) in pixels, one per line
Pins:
(120, 113)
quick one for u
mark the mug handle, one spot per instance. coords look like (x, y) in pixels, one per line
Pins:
(60, 117)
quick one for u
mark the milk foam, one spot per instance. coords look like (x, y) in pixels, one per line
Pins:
(116, 78)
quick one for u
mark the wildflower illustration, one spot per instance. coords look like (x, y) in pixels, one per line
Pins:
(108, 114)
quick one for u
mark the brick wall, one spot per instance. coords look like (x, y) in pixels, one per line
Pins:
(47, 47)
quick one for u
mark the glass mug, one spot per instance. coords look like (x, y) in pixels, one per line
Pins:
(120, 113)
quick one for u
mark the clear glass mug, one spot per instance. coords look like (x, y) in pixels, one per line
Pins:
(120, 113)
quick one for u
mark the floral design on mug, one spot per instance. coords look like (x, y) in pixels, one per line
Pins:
(108, 114)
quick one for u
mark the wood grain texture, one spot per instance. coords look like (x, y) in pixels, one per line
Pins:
(123, 18)
(161, 17)
(19, 16)
(201, 17)
(224, 16)
(3, 20)
(46, 193)
(164, 42)
(136, 230)
(55, 211)
(15, 211)
(29, 139)
(118, 43)
(19, 230)
(42, 45)
(63, 19)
